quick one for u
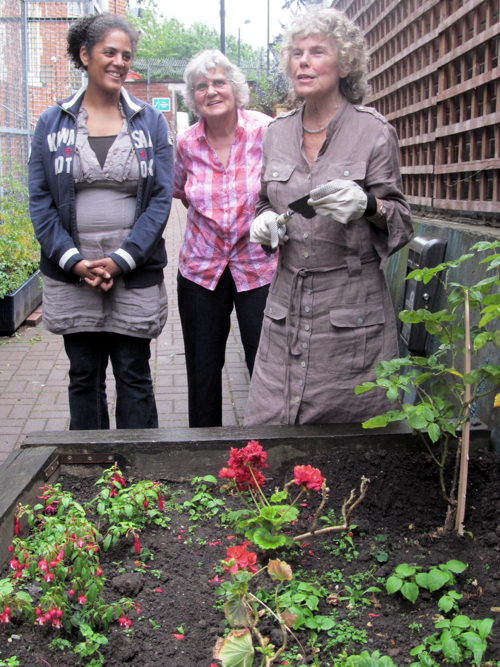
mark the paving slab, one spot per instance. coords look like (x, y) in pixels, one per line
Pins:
(34, 369)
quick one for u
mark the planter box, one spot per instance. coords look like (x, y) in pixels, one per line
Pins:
(15, 307)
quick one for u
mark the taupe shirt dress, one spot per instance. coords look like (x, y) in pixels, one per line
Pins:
(329, 318)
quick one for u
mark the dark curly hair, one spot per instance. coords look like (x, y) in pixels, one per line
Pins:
(88, 31)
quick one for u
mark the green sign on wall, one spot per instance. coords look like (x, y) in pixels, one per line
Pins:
(161, 103)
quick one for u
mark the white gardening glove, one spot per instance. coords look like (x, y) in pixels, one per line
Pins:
(341, 200)
(266, 231)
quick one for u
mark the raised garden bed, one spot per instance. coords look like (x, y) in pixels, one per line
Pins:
(397, 523)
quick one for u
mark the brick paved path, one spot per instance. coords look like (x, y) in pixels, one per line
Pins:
(34, 369)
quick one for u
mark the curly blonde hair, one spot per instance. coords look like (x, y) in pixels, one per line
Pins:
(345, 37)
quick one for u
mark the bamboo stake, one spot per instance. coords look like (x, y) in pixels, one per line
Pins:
(464, 461)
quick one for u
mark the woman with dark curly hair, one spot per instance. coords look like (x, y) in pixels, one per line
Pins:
(100, 179)
(329, 318)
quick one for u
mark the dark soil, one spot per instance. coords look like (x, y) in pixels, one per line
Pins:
(403, 503)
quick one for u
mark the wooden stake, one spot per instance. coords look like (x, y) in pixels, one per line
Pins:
(464, 460)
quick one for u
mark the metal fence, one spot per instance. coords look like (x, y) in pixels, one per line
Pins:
(34, 68)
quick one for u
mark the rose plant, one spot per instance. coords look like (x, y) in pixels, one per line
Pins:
(263, 519)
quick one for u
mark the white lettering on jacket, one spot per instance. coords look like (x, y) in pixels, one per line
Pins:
(140, 140)
(64, 136)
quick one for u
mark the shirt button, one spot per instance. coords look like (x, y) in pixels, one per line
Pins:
(304, 345)
(110, 163)
(300, 383)
(308, 291)
(307, 327)
(270, 310)
(107, 175)
(275, 174)
(303, 364)
(297, 399)
(360, 320)
(306, 255)
(346, 173)
(307, 309)
(305, 235)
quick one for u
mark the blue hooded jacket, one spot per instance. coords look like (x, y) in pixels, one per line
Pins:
(142, 255)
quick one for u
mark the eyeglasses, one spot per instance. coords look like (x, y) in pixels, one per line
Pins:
(217, 84)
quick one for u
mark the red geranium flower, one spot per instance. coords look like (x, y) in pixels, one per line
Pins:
(238, 558)
(309, 476)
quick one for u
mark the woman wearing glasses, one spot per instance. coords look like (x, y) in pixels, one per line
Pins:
(217, 177)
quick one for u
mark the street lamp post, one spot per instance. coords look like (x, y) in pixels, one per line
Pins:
(239, 41)
(222, 27)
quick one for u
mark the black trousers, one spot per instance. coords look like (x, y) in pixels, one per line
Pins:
(205, 319)
(88, 353)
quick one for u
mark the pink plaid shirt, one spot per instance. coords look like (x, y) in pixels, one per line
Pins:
(222, 206)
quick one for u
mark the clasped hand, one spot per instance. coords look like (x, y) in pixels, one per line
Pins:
(99, 274)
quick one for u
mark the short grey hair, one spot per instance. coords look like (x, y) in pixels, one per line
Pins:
(202, 64)
(344, 35)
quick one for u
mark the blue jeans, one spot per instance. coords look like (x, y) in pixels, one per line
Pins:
(88, 353)
(205, 318)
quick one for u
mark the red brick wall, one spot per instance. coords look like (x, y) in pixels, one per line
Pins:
(140, 89)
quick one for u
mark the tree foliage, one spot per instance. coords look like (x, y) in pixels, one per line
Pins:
(164, 37)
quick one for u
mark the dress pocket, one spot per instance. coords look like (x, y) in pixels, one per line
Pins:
(276, 176)
(273, 338)
(357, 337)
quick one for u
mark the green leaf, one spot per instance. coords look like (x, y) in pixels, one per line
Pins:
(456, 566)
(6, 587)
(393, 584)
(422, 579)
(210, 479)
(235, 650)
(107, 542)
(263, 538)
(405, 570)
(460, 621)
(451, 650)
(445, 603)
(279, 496)
(484, 627)
(235, 610)
(437, 579)
(434, 432)
(376, 422)
(410, 591)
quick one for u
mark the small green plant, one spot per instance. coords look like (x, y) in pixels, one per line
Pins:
(343, 546)
(408, 579)
(343, 633)
(446, 383)
(364, 659)
(415, 626)
(157, 626)
(92, 642)
(10, 662)
(203, 505)
(19, 249)
(458, 639)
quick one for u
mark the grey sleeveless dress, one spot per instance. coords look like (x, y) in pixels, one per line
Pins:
(105, 211)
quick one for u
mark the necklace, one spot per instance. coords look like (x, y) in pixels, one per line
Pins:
(315, 131)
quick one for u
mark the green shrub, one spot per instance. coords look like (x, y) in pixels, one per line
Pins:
(19, 249)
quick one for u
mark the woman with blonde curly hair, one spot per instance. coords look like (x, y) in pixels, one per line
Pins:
(329, 317)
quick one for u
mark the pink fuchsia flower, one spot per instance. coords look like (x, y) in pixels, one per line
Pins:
(125, 622)
(80, 543)
(17, 525)
(82, 599)
(71, 592)
(238, 558)
(99, 572)
(137, 545)
(40, 620)
(49, 577)
(308, 476)
(43, 565)
(56, 622)
(11, 548)
(160, 502)
(14, 564)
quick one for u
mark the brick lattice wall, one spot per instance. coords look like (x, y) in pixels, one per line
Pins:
(435, 75)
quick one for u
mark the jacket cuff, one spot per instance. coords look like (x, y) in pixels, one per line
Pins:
(124, 260)
(69, 259)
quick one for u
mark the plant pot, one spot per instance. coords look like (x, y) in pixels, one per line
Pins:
(15, 307)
